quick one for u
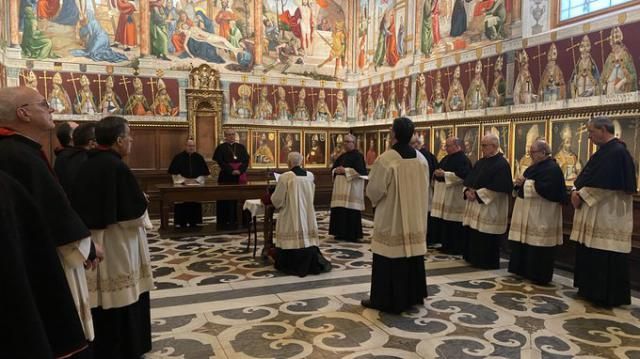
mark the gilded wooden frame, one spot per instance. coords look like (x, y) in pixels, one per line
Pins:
(335, 142)
(260, 157)
(296, 139)
(579, 145)
(519, 148)
(469, 134)
(371, 149)
(427, 134)
(308, 138)
(439, 137)
(503, 131)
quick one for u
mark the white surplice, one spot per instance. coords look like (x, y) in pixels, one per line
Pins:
(605, 220)
(296, 226)
(448, 202)
(348, 190)
(489, 217)
(399, 190)
(535, 220)
(125, 272)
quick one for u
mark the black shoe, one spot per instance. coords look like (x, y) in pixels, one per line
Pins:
(367, 303)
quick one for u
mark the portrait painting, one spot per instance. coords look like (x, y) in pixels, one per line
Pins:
(360, 142)
(385, 141)
(371, 148)
(628, 130)
(502, 130)
(288, 141)
(335, 145)
(524, 134)
(440, 135)
(263, 145)
(242, 137)
(315, 146)
(569, 141)
(424, 137)
(468, 134)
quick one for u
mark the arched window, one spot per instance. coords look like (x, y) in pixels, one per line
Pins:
(574, 10)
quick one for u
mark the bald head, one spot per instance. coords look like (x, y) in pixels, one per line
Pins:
(453, 145)
(25, 110)
(542, 146)
(490, 145)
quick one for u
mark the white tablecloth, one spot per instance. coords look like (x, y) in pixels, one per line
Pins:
(254, 206)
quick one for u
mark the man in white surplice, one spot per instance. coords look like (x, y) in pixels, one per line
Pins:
(296, 237)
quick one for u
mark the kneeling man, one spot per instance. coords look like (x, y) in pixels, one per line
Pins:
(296, 239)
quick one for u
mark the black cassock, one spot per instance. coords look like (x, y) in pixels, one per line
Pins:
(603, 276)
(449, 233)
(67, 165)
(536, 262)
(105, 193)
(23, 160)
(345, 223)
(230, 157)
(492, 173)
(189, 166)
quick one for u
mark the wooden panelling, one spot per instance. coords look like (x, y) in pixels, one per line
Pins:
(170, 142)
(144, 151)
(205, 135)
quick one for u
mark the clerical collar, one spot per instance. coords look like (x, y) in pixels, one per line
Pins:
(7, 132)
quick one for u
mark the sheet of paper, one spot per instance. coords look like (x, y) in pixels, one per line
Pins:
(276, 176)
(366, 178)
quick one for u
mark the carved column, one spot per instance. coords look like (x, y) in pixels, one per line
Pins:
(14, 19)
(352, 105)
(351, 31)
(145, 27)
(413, 85)
(257, 25)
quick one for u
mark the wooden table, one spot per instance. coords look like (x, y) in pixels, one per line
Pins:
(170, 194)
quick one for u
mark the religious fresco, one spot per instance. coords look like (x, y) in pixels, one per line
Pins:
(305, 37)
(524, 134)
(371, 151)
(288, 141)
(469, 136)
(315, 146)
(263, 149)
(628, 130)
(502, 130)
(569, 141)
(88, 93)
(424, 137)
(440, 135)
(335, 145)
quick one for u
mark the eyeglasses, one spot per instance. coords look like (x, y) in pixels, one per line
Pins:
(44, 103)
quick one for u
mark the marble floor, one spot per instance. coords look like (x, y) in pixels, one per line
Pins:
(214, 300)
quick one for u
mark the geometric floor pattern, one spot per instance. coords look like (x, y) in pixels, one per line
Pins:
(214, 300)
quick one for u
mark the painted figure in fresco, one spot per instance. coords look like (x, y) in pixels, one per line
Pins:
(619, 71)
(136, 103)
(371, 106)
(286, 148)
(263, 153)
(264, 109)
(438, 95)
(381, 106)
(458, 19)
(422, 101)
(386, 48)
(59, 100)
(360, 110)
(282, 107)
(494, 131)
(171, 12)
(241, 107)
(162, 104)
(470, 141)
(566, 158)
(404, 104)
(494, 21)
(179, 37)
(316, 152)
(341, 107)
(85, 103)
(427, 28)
(498, 90)
(337, 148)
(96, 42)
(372, 152)
(586, 76)
(110, 102)
(525, 161)
(35, 44)
(523, 89)
(126, 32)
(31, 80)
(322, 111)
(455, 98)
(362, 40)
(301, 24)
(159, 34)
(552, 86)
(401, 34)
(47, 9)
(235, 34)
(392, 105)
(338, 47)
(204, 45)
(442, 140)
(301, 113)
(224, 18)
(477, 94)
